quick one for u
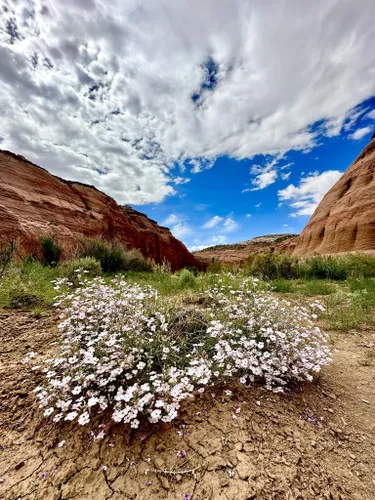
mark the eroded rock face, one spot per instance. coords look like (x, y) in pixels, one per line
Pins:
(344, 220)
(35, 203)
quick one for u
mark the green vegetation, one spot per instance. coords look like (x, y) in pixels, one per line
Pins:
(344, 285)
(51, 252)
(113, 257)
(273, 266)
(7, 250)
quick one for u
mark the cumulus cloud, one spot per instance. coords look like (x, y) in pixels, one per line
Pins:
(173, 219)
(265, 176)
(181, 230)
(213, 222)
(127, 95)
(303, 199)
(360, 133)
(226, 224)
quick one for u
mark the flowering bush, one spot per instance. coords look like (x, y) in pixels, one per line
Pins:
(128, 350)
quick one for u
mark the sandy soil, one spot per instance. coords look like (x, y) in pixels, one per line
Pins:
(316, 442)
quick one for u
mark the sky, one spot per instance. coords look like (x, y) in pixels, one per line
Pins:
(221, 119)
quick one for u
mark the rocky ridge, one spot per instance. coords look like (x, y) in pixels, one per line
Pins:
(35, 203)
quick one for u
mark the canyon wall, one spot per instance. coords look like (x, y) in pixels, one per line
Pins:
(344, 220)
(35, 203)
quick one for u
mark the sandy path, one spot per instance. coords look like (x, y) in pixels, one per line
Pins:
(314, 443)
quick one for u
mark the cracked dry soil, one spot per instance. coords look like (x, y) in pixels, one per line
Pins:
(316, 442)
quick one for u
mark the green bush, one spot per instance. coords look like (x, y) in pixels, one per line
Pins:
(214, 267)
(89, 266)
(7, 250)
(51, 252)
(113, 257)
(135, 261)
(110, 255)
(269, 266)
(325, 267)
(186, 278)
(361, 266)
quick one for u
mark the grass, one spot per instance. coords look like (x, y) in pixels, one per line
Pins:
(349, 303)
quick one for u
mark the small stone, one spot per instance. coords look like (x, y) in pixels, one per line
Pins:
(164, 482)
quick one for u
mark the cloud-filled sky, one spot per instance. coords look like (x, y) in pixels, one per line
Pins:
(222, 119)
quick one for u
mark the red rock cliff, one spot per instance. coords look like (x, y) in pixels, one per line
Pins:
(344, 220)
(35, 203)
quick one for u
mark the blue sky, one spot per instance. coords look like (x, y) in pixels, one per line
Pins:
(222, 119)
(217, 197)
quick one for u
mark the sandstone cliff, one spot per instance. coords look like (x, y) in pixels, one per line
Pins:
(344, 220)
(35, 203)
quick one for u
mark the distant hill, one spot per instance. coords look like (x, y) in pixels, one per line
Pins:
(239, 252)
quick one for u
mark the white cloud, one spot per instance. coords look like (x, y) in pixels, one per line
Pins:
(215, 240)
(172, 219)
(227, 224)
(219, 239)
(230, 225)
(264, 179)
(196, 248)
(181, 180)
(213, 222)
(360, 133)
(181, 230)
(123, 94)
(285, 176)
(248, 216)
(258, 205)
(305, 197)
(371, 115)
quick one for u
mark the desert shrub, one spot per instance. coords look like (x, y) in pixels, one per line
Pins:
(87, 265)
(126, 350)
(135, 261)
(273, 266)
(110, 255)
(360, 266)
(325, 267)
(7, 249)
(113, 256)
(51, 252)
(214, 267)
(186, 278)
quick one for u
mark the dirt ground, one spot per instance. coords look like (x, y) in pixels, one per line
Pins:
(316, 442)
